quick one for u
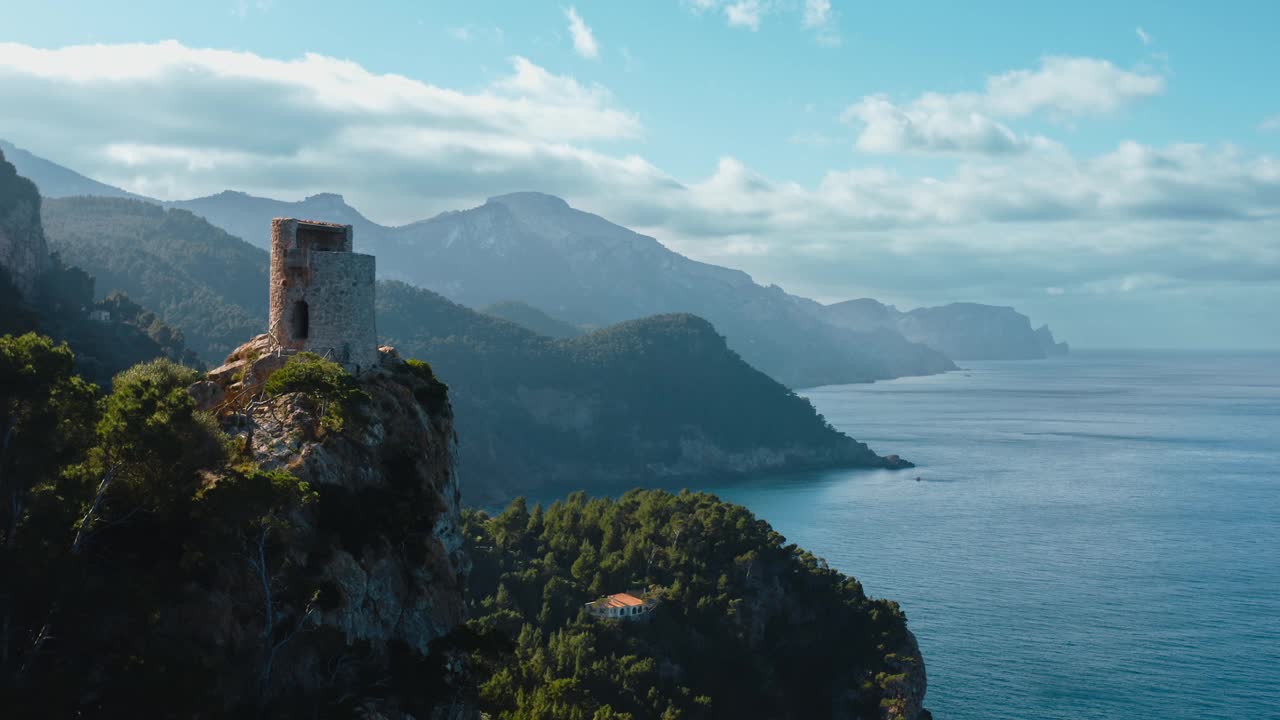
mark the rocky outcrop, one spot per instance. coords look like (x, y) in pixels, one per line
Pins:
(905, 689)
(1050, 346)
(24, 253)
(381, 547)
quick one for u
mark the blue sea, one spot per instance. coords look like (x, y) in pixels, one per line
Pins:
(1095, 536)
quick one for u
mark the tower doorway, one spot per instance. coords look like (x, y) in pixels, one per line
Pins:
(301, 321)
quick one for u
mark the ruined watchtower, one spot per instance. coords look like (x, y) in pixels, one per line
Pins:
(322, 293)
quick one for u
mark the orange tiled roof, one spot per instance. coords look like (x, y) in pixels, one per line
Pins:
(623, 600)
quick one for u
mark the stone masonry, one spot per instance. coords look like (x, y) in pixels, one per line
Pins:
(322, 293)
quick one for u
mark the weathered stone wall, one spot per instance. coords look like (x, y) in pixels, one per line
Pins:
(337, 286)
(341, 304)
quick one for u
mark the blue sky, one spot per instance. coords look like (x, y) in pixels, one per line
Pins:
(1107, 167)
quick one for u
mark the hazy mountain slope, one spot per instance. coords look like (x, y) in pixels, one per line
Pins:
(210, 284)
(964, 331)
(586, 270)
(531, 318)
(650, 399)
(56, 181)
(40, 293)
(249, 217)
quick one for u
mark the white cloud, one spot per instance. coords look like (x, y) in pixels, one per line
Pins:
(1068, 86)
(816, 12)
(968, 122)
(1271, 124)
(171, 120)
(929, 126)
(584, 41)
(816, 15)
(1144, 36)
(167, 120)
(744, 13)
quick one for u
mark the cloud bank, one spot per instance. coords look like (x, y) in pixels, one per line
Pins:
(971, 122)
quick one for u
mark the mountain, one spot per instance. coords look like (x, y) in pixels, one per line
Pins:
(56, 181)
(588, 271)
(535, 249)
(660, 398)
(578, 267)
(249, 217)
(210, 284)
(657, 399)
(963, 331)
(39, 292)
(531, 318)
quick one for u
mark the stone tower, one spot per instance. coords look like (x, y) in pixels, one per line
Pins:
(322, 294)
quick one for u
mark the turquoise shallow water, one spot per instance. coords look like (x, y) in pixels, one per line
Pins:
(1095, 536)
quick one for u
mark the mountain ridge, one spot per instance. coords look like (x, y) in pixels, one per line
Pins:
(578, 267)
(654, 398)
(581, 268)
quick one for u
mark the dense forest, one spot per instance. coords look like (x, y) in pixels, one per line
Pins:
(103, 523)
(747, 625)
(531, 318)
(155, 568)
(158, 570)
(194, 275)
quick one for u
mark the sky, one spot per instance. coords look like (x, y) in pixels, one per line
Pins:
(1112, 169)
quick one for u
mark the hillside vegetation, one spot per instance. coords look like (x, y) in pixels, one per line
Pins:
(162, 561)
(194, 275)
(747, 625)
(41, 292)
(655, 399)
(531, 318)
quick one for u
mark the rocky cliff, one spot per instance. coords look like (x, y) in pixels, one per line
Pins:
(377, 575)
(23, 251)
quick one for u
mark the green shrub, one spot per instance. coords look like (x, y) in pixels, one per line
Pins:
(435, 393)
(322, 380)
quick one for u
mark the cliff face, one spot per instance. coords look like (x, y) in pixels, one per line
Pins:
(746, 624)
(378, 555)
(23, 251)
(771, 601)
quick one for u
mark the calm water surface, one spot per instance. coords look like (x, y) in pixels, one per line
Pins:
(1093, 537)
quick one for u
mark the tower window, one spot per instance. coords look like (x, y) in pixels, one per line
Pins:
(301, 320)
